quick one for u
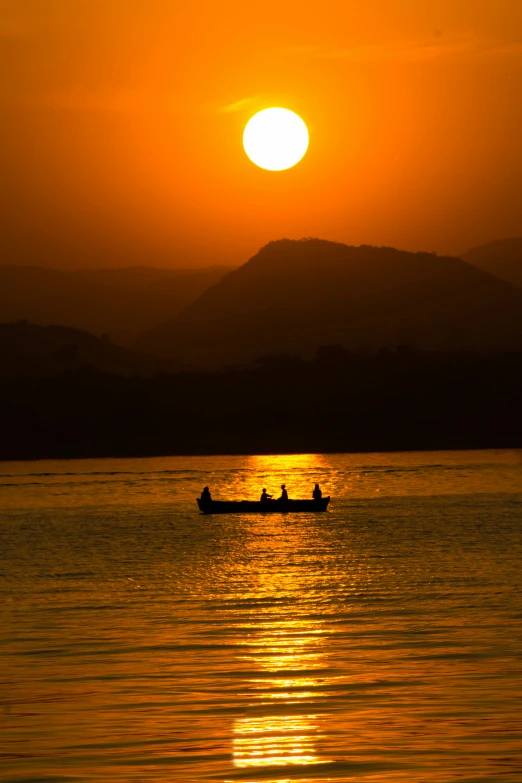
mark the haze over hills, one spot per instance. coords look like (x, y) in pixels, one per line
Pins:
(502, 258)
(43, 351)
(296, 295)
(122, 303)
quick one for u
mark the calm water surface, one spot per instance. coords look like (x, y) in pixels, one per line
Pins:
(379, 642)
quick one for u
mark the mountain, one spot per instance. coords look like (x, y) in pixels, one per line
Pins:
(502, 258)
(35, 351)
(294, 296)
(122, 303)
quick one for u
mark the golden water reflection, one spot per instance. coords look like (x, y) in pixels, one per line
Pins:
(276, 740)
(283, 641)
(290, 655)
(298, 471)
(277, 462)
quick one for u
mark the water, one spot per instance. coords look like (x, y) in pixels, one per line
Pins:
(381, 641)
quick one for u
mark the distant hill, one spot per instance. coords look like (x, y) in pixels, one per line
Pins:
(122, 303)
(30, 350)
(294, 296)
(339, 402)
(502, 258)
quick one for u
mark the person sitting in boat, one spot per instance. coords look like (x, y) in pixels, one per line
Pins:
(284, 493)
(206, 496)
(265, 496)
(317, 494)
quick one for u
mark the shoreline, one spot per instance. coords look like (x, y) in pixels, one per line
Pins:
(264, 453)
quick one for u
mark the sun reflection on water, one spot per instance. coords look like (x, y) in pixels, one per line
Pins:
(287, 652)
(283, 651)
(277, 740)
(298, 471)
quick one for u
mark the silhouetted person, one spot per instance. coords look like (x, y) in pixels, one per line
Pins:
(284, 493)
(206, 496)
(265, 496)
(317, 494)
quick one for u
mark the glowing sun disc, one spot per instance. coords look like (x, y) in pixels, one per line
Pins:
(275, 139)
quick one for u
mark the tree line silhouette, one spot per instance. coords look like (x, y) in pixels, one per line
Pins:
(395, 399)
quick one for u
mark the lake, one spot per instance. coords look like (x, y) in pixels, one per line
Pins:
(378, 642)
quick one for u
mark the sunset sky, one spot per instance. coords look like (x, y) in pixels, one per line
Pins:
(122, 126)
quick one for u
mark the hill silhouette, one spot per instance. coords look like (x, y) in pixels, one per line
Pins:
(294, 296)
(502, 258)
(33, 351)
(340, 401)
(120, 302)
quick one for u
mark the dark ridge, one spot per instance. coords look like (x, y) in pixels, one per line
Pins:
(120, 302)
(502, 258)
(392, 400)
(31, 351)
(296, 295)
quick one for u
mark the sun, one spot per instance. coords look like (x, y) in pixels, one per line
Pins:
(275, 139)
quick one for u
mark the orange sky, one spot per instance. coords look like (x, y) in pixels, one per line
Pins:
(122, 123)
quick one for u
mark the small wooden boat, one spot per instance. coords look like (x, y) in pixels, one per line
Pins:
(258, 507)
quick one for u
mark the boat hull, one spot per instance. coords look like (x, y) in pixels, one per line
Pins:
(267, 507)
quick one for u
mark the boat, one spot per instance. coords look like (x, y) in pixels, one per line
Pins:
(258, 507)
